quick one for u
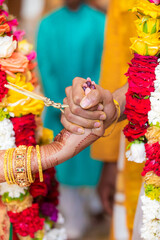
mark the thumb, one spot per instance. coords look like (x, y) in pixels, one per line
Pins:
(92, 99)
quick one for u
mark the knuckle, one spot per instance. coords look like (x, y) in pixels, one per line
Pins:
(76, 99)
(65, 100)
(75, 109)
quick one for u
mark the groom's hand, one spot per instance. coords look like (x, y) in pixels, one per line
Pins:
(94, 111)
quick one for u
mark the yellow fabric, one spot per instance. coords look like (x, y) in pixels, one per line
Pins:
(116, 55)
(120, 28)
(132, 185)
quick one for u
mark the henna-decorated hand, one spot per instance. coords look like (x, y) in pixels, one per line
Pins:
(95, 111)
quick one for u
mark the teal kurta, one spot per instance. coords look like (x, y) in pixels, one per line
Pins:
(70, 44)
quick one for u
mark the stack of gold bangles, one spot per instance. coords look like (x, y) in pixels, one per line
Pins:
(20, 158)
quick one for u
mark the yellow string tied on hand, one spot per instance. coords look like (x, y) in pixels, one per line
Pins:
(117, 118)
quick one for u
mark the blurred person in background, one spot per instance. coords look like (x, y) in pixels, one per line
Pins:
(69, 44)
(111, 150)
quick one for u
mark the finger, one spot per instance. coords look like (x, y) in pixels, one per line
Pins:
(98, 107)
(78, 111)
(86, 123)
(71, 127)
(95, 97)
(78, 92)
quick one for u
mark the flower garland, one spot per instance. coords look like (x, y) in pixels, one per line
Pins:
(143, 110)
(32, 210)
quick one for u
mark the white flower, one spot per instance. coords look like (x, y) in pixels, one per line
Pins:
(136, 153)
(56, 234)
(151, 219)
(7, 46)
(154, 114)
(13, 190)
(151, 230)
(7, 135)
(150, 208)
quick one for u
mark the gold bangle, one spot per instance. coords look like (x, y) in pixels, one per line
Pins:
(29, 172)
(115, 122)
(20, 167)
(39, 163)
(10, 166)
(5, 166)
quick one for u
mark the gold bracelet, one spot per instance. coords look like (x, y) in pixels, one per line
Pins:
(5, 166)
(29, 172)
(118, 115)
(20, 167)
(10, 166)
(39, 163)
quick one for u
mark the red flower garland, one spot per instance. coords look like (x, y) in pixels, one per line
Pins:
(153, 156)
(3, 81)
(141, 75)
(24, 128)
(27, 222)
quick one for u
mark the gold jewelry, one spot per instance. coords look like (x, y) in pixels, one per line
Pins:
(39, 163)
(20, 167)
(10, 166)
(29, 172)
(5, 166)
(115, 122)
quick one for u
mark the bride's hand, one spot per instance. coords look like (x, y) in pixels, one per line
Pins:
(95, 111)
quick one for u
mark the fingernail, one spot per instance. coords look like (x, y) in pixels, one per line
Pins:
(97, 124)
(87, 91)
(85, 102)
(89, 79)
(80, 130)
(100, 107)
(103, 117)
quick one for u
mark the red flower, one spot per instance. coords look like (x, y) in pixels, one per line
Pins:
(3, 81)
(153, 159)
(38, 188)
(133, 132)
(28, 222)
(24, 128)
(136, 109)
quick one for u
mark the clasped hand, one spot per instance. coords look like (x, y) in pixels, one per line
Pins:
(95, 111)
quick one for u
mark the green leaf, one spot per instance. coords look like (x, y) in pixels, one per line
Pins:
(137, 141)
(146, 97)
(154, 29)
(136, 96)
(145, 27)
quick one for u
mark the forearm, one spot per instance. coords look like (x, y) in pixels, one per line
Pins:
(120, 97)
(65, 146)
